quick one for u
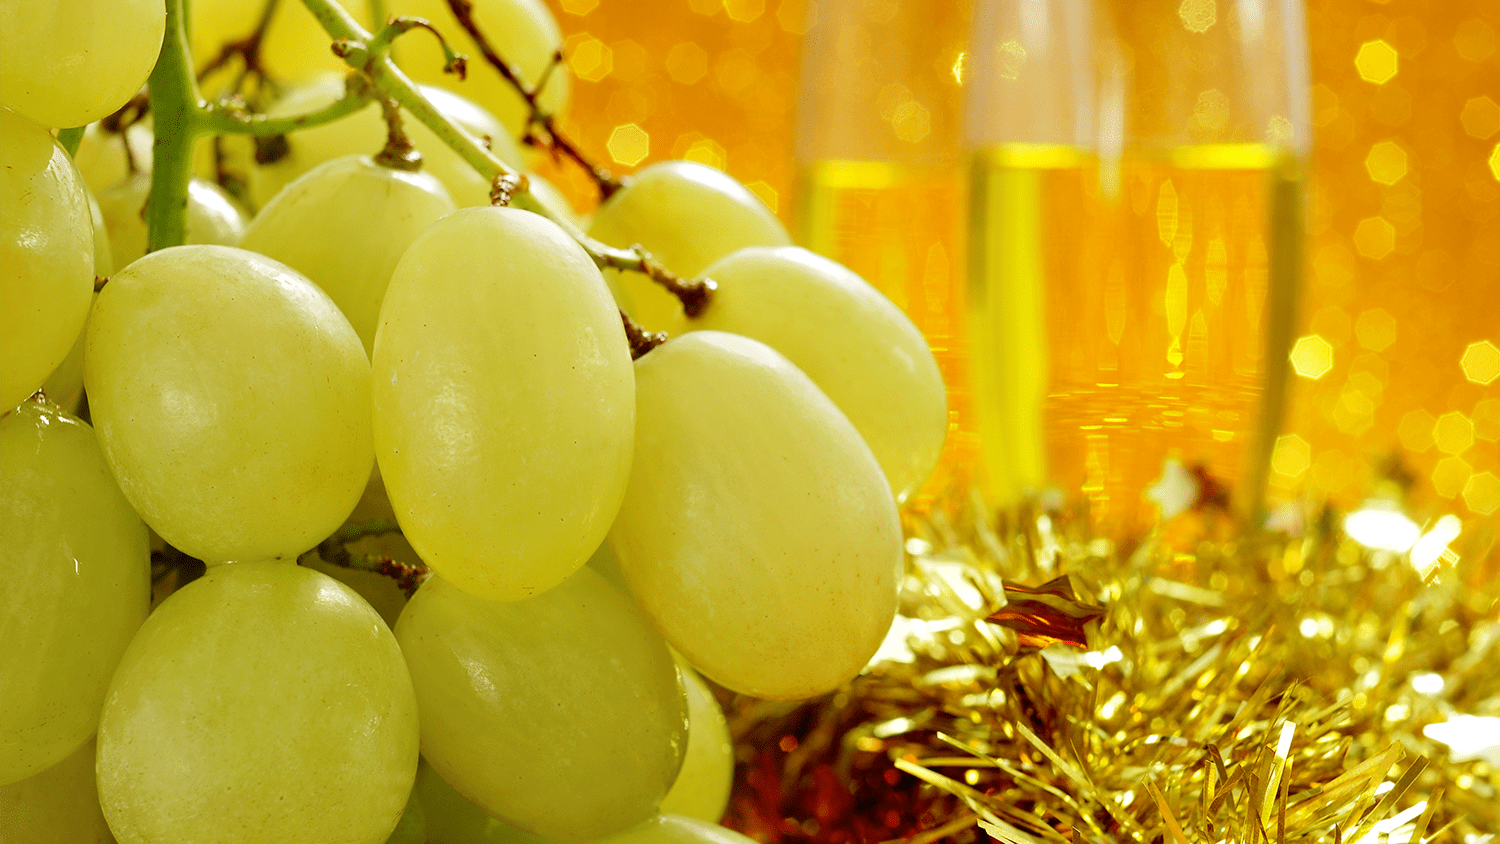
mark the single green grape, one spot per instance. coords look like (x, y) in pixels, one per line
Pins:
(294, 48)
(59, 805)
(523, 32)
(703, 785)
(852, 341)
(46, 256)
(562, 715)
(676, 829)
(454, 820)
(79, 570)
(64, 387)
(66, 63)
(687, 215)
(232, 399)
(765, 545)
(504, 402)
(263, 702)
(364, 133)
(412, 827)
(212, 217)
(102, 156)
(344, 224)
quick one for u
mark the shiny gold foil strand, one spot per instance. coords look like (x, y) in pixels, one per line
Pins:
(1260, 703)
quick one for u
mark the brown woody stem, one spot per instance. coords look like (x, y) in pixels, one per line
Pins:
(541, 126)
(694, 294)
(398, 153)
(641, 340)
(333, 551)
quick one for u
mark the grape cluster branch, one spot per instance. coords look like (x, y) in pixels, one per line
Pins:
(334, 551)
(641, 340)
(539, 119)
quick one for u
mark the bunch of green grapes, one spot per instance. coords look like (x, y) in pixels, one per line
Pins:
(479, 556)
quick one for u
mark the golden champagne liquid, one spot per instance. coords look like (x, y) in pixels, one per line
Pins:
(900, 226)
(1125, 312)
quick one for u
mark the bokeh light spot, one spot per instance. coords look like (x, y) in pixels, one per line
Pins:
(1486, 419)
(1474, 40)
(1495, 162)
(1375, 329)
(744, 11)
(1374, 237)
(588, 57)
(579, 7)
(1453, 433)
(1312, 357)
(1386, 163)
(1198, 15)
(687, 63)
(1482, 493)
(1451, 475)
(911, 121)
(766, 193)
(1481, 362)
(1415, 431)
(629, 145)
(1292, 455)
(1211, 112)
(705, 151)
(1376, 62)
(1481, 117)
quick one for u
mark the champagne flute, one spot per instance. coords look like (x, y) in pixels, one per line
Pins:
(1137, 189)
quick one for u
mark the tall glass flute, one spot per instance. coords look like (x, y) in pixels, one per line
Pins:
(1137, 190)
(880, 170)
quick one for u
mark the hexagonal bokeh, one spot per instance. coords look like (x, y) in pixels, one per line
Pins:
(1453, 433)
(1375, 329)
(1386, 163)
(1292, 455)
(1376, 62)
(1481, 362)
(1415, 430)
(1451, 475)
(1482, 493)
(1312, 357)
(629, 145)
(1480, 117)
(1374, 237)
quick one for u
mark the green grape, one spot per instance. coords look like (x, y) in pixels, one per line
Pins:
(702, 787)
(522, 32)
(504, 402)
(263, 703)
(854, 343)
(46, 257)
(364, 133)
(64, 387)
(232, 399)
(59, 805)
(212, 217)
(70, 62)
(294, 48)
(101, 156)
(79, 571)
(562, 715)
(766, 545)
(453, 820)
(676, 829)
(687, 215)
(344, 224)
(412, 828)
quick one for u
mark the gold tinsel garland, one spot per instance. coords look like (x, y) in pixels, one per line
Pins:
(1293, 685)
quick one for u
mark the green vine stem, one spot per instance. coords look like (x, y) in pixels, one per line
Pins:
(353, 43)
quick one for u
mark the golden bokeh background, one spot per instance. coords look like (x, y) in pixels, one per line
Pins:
(1399, 351)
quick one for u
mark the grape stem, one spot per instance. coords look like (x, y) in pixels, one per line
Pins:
(549, 138)
(247, 48)
(454, 62)
(641, 340)
(389, 81)
(181, 116)
(333, 551)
